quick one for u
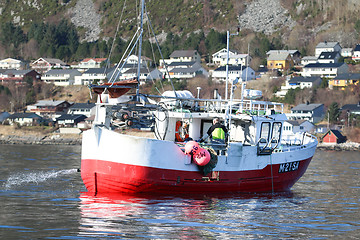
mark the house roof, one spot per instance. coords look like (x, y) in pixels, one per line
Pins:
(17, 72)
(278, 56)
(24, 115)
(82, 106)
(49, 103)
(174, 64)
(98, 70)
(291, 52)
(357, 48)
(348, 76)
(61, 71)
(309, 58)
(299, 79)
(324, 65)
(98, 60)
(183, 53)
(53, 61)
(328, 55)
(327, 44)
(10, 60)
(351, 107)
(307, 107)
(71, 117)
(134, 70)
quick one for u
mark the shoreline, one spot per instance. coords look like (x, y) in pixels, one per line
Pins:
(76, 139)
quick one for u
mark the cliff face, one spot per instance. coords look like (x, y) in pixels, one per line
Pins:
(294, 21)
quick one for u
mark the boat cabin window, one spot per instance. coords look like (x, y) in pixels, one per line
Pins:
(276, 131)
(265, 130)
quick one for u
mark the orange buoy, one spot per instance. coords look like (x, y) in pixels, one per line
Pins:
(202, 157)
(192, 148)
(178, 136)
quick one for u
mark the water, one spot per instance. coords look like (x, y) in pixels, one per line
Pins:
(42, 197)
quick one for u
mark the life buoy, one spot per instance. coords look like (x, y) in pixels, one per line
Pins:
(178, 136)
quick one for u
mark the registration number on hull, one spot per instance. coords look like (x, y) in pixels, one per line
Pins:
(289, 167)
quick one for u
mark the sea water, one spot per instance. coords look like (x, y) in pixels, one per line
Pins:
(42, 197)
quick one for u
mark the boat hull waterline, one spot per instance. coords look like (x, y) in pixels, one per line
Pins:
(132, 165)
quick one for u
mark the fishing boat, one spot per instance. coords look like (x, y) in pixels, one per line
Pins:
(172, 155)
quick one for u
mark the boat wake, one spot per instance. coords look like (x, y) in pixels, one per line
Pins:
(38, 177)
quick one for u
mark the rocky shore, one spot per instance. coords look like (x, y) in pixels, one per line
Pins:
(41, 140)
(75, 139)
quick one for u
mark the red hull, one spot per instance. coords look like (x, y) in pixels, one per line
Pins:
(104, 176)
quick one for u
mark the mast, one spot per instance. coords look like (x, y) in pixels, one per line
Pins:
(140, 43)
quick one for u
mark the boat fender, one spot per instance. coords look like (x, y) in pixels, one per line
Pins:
(202, 157)
(192, 148)
(178, 136)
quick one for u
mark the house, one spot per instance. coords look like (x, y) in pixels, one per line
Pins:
(86, 109)
(49, 108)
(92, 75)
(329, 70)
(347, 52)
(298, 82)
(291, 127)
(312, 112)
(61, 77)
(241, 72)
(182, 56)
(308, 59)
(327, 47)
(25, 119)
(185, 70)
(329, 57)
(145, 74)
(342, 81)
(295, 54)
(280, 61)
(351, 108)
(18, 77)
(11, 63)
(88, 63)
(70, 120)
(356, 53)
(43, 65)
(220, 58)
(134, 59)
(333, 136)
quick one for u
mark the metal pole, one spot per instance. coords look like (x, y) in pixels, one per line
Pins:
(140, 43)
(227, 64)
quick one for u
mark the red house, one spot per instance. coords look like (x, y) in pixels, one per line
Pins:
(333, 136)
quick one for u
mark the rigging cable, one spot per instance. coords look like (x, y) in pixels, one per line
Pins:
(162, 57)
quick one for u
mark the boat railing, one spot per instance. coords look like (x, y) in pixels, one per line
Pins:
(250, 107)
(297, 141)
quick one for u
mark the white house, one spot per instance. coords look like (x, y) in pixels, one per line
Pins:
(92, 75)
(329, 70)
(11, 63)
(356, 53)
(346, 52)
(61, 77)
(86, 109)
(298, 82)
(329, 57)
(43, 65)
(312, 112)
(25, 119)
(220, 58)
(308, 59)
(88, 63)
(182, 56)
(134, 59)
(327, 47)
(145, 74)
(291, 127)
(241, 72)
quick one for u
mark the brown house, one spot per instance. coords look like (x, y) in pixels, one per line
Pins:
(18, 77)
(49, 108)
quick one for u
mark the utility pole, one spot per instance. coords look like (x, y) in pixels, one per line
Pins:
(228, 35)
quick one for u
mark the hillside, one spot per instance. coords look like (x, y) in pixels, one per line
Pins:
(295, 24)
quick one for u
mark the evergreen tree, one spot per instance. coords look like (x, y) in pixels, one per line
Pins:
(333, 112)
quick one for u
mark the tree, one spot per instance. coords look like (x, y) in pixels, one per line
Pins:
(333, 112)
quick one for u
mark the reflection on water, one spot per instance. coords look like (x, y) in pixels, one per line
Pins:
(43, 197)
